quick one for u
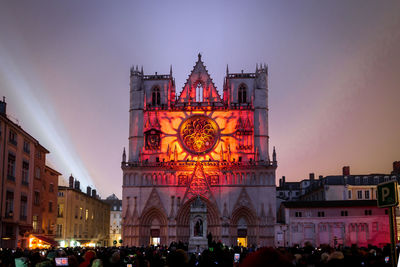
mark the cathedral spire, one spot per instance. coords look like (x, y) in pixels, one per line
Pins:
(170, 70)
(199, 56)
(227, 70)
(175, 154)
(274, 155)
(168, 153)
(124, 156)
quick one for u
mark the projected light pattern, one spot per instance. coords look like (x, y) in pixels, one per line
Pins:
(40, 120)
(199, 134)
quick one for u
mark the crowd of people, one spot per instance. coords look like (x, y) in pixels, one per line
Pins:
(216, 255)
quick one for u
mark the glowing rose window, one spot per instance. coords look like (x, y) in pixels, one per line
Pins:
(199, 134)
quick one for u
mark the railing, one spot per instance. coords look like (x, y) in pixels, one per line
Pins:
(183, 163)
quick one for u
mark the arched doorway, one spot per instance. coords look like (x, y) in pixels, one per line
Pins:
(153, 227)
(244, 226)
(183, 220)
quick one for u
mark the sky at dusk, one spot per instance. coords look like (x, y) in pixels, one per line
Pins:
(334, 75)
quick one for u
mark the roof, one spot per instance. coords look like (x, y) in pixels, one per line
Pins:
(329, 204)
(289, 186)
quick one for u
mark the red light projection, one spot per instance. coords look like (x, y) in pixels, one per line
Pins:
(198, 184)
(199, 134)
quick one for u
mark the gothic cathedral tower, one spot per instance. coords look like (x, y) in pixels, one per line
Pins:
(194, 145)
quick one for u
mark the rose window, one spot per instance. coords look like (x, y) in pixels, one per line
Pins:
(199, 134)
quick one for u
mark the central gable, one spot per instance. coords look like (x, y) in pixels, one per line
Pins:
(199, 87)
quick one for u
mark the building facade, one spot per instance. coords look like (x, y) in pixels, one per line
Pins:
(115, 220)
(82, 218)
(28, 189)
(332, 223)
(199, 144)
(44, 204)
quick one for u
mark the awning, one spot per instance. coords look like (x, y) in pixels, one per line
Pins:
(46, 239)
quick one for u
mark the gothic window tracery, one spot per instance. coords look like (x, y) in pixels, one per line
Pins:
(199, 93)
(242, 94)
(156, 97)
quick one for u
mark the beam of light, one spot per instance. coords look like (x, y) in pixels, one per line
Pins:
(44, 125)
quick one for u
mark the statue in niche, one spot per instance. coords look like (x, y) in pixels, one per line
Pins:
(198, 228)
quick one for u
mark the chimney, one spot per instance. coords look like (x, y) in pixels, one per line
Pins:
(3, 106)
(77, 185)
(71, 181)
(346, 170)
(312, 176)
(88, 190)
(280, 182)
(94, 193)
(283, 180)
(320, 177)
(396, 167)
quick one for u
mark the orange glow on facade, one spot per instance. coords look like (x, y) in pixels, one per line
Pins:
(198, 145)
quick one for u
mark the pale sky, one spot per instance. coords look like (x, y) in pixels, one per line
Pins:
(334, 75)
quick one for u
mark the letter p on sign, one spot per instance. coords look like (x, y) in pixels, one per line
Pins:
(387, 194)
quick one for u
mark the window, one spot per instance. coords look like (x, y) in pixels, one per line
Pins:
(9, 204)
(321, 214)
(76, 212)
(51, 187)
(298, 214)
(359, 194)
(365, 180)
(23, 208)
(12, 138)
(199, 93)
(60, 210)
(357, 180)
(366, 194)
(59, 230)
(27, 147)
(25, 173)
(242, 94)
(349, 194)
(155, 97)
(36, 198)
(11, 167)
(35, 223)
(87, 214)
(50, 206)
(368, 212)
(344, 213)
(37, 172)
(60, 194)
(80, 213)
(38, 154)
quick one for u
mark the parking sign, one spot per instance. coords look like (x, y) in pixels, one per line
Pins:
(387, 194)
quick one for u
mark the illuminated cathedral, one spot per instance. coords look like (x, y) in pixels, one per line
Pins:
(198, 145)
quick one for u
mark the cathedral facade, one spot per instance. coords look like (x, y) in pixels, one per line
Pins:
(195, 144)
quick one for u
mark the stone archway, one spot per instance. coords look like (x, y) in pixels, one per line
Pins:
(151, 220)
(183, 220)
(243, 218)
